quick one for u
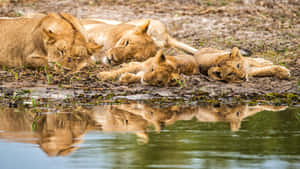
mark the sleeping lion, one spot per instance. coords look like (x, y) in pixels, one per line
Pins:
(163, 70)
(45, 40)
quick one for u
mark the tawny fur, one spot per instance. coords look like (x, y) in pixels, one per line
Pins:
(113, 119)
(233, 67)
(217, 64)
(234, 114)
(59, 134)
(56, 134)
(158, 31)
(122, 43)
(44, 40)
(160, 70)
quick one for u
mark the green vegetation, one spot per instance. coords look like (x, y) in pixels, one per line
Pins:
(33, 102)
(181, 83)
(34, 126)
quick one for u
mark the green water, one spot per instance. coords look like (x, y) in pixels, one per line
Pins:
(145, 136)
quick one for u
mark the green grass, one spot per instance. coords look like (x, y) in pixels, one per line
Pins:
(33, 102)
(181, 83)
(48, 76)
(34, 126)
(16, 76)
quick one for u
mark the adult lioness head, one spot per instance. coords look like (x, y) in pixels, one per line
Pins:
(133, 45)
(65, 41)
(234, 69)
(160, 72)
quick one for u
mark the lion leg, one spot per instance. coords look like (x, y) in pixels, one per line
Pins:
(258, 62)
(259, 108)
(175, 43)
(36, 60)
(110, 75)
(275, 70)
(132, 67)
(128, 78)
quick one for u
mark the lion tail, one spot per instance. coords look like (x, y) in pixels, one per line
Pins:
(172, 42)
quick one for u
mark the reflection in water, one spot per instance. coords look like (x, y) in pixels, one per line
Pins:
(57, 134)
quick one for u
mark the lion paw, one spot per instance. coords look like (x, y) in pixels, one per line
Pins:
(104, 76)
(282, 72)
(129, 78)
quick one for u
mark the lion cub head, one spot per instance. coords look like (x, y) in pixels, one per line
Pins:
(160, 72)
(134, 44)
(65, 41)
(234, 69)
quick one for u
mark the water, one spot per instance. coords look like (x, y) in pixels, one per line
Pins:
(146, 136)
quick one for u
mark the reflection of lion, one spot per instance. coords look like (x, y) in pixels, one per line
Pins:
(59, 134)
(234, 114)
(114, 119)
(45, 40)
(56, 134)
(122, 43)
(219, 65)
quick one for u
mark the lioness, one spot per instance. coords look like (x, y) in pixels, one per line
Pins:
(158, 32)
(217, 64)
(122, 43)
(53, 39)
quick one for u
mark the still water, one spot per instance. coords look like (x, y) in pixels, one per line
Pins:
(150, 136)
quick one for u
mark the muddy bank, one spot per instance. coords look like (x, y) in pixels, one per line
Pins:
(84, 87)
(262, 28)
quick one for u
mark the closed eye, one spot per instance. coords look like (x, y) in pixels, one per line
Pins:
(61, 52)
(173, 80)
(126, 43)
(217, 74)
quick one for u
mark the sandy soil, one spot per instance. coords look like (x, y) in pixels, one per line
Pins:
(269, 29)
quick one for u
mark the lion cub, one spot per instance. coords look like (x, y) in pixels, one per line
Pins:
(233, 67)
(164, 70)
(160, 70)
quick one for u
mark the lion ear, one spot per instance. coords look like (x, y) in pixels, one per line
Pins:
(49, 36)
(215, 73)
(235, 53)
(93, 48)
(143, 27)
(160, 57)
(75, 23)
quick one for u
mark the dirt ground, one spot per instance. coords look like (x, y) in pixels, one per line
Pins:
(269, 29)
